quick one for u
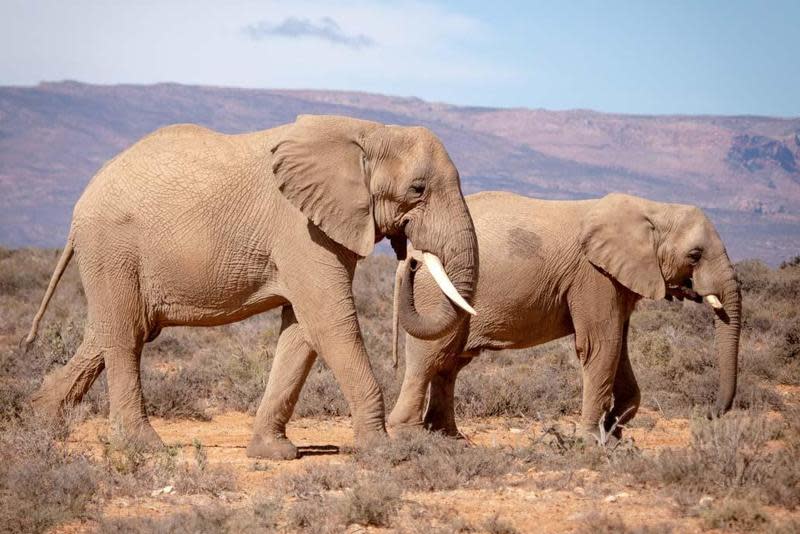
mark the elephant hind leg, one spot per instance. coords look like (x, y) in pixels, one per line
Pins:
(293, 360)
(64, 387)
(440, 415)
(128, 418)
(115, 324)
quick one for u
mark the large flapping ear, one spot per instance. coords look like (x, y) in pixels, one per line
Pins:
(618, 237)
(320, 166)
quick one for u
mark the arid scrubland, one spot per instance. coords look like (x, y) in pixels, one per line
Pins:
(741, 472)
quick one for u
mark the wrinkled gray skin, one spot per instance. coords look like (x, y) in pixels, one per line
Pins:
(549, 269)
(193, 227)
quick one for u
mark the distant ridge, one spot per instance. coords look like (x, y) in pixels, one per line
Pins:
(745, 171)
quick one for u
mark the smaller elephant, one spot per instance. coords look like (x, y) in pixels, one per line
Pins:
(549, 269)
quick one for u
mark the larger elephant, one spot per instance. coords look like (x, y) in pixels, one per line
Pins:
(553, 268)
(194, 227)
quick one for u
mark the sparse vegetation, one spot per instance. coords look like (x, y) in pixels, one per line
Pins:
(734, 473)
(41, 483)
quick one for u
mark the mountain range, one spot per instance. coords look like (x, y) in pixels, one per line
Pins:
(744, 171)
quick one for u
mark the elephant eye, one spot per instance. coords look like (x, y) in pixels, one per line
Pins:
(695, 255)
(417, 189)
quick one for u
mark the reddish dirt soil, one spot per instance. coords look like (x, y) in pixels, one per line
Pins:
(569, 501)
(562, 507)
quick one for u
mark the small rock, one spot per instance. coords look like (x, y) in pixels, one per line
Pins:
(706, 500)
(515, 430)
(616, 497)
(165, 490)
(579, 490)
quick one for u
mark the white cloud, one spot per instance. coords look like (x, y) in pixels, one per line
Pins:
(292, 27)
(398, 48)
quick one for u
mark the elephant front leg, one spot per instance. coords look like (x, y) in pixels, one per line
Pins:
(422, 360)
(293, 360)
(627, 396)
(441, 414)
(335, 334)
(599, 354)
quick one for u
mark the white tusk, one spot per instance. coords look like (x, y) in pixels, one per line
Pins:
(714, 302)
(436, 269)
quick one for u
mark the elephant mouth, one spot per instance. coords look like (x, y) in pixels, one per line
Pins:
(685, 291)
(400, 246)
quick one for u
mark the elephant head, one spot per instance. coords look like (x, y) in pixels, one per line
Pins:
(663, 250)
(360, 181)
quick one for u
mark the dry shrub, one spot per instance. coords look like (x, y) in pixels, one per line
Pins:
(321, 395)
(426, 461)
(199, 520)
(494, 525)
(561, 447)
(42, 484)
(135, 472)
(601, 522)
(735, 514)
(262, 514)
(177, 395)
(371, 502)
(314, 480)
(16, 273)
(595, 522)
(732, 455)
(540, 382)
(313, 515)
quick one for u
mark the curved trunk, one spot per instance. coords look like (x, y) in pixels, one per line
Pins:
(726, 338)
(430, 326)
(456, 245)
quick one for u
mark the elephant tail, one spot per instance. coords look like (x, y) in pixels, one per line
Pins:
(62, 265)
(398, 277)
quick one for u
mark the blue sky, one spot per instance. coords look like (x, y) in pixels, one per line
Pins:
(715, 57)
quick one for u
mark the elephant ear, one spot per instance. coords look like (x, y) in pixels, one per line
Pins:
(321, 169)
(618, 237)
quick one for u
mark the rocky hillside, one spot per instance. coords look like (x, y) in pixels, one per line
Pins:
(745, 171)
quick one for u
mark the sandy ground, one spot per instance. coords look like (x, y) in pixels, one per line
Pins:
(568, 502)
(517, 501)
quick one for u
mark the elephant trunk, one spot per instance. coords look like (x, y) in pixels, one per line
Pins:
(727, 328)
(431, 314)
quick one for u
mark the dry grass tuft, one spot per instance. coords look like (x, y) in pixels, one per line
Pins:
(733, 456)
(431, 462)
(41, 483)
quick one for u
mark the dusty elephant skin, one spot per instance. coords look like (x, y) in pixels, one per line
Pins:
(553, 268)
(193, 227)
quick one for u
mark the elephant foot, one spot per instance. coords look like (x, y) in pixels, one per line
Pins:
(397, 423)
(451, 431)
(402, 429)
(370, 439)
(140, 436)
(46, 405)
(592, 437)
(272, 448)
(443, 425)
